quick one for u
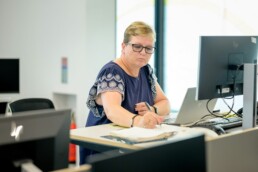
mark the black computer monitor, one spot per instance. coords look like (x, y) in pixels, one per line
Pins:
(41, 137)
(221, 61)
(9, 75)
(185, 154)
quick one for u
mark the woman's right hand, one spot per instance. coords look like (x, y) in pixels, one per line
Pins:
(148, 120)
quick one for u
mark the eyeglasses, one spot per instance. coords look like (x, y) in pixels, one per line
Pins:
(138, 48)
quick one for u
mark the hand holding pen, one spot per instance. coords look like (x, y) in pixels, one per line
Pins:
(148, 106)
(149, 119)
(142, 108)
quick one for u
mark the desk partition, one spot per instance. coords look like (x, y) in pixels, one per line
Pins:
(183, 155)
(236, 152)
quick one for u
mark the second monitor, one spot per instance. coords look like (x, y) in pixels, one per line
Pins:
(221, 61)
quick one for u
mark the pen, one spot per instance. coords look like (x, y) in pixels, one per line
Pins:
(169, 123)
(148, 106)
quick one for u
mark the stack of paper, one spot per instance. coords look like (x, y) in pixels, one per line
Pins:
(137, 134)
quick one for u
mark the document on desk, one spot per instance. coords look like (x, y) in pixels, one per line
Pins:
(137, 134)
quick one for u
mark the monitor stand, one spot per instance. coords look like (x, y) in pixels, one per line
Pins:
(249, 98)
(26, 165)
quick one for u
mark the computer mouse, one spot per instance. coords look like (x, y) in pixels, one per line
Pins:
(219, 130)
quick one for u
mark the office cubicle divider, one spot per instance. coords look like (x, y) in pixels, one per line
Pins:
(187, 154)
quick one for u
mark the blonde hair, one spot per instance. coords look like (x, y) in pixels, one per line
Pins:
(138, 28)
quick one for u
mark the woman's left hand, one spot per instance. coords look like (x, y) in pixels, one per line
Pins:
(142, 108)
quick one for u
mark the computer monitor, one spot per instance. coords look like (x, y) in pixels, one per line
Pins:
(9, 75)
(221, 61)
(181, 155)
(41, 137)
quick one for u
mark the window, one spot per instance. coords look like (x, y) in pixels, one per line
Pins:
(129, 11)
(185, 21)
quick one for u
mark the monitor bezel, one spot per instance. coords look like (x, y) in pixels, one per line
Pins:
(10, 83)
(46, 131)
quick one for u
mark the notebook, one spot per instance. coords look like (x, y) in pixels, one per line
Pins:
(136, 135)
(192, 110)
(140, 135)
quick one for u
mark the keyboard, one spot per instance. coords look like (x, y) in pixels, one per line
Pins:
(227, 123)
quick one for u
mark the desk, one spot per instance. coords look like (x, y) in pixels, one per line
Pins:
(90, 137)
(236, 151)
(148, 157)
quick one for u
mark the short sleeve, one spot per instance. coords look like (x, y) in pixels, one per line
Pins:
(109, 79)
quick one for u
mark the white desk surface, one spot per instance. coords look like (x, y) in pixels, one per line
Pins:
(236, 151)
(93, 135)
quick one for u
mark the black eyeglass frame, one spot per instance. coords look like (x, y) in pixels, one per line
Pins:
(148, 50)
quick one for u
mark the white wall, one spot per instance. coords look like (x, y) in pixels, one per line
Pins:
(41, 32)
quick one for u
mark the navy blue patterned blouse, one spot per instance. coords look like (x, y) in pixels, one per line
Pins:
(133, 90)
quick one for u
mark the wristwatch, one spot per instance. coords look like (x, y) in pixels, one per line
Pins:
(155, 109)
(133, 120)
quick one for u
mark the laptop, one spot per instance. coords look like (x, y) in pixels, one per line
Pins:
(193, 110)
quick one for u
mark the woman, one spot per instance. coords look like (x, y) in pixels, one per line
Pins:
(126, 91)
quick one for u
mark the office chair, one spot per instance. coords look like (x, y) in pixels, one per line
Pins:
(28, 104)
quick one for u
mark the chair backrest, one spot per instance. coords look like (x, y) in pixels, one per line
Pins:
(28, 104)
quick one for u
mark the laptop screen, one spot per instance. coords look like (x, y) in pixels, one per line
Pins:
(192, 110)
